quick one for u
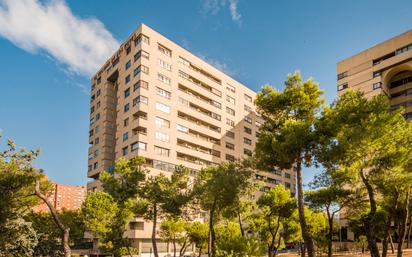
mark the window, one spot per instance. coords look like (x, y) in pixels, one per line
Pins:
(136, 225)
(287, 175)
(95, 165)
(247, 141)
(140, 84)
(230, 122)
(247, 108)
(140, 54)
(161, 136)
(248, 119)
(162, 107)
(184, 61)
(247, 130)
(257, 134)
(92, 109)
(126, 107)
(230, 88)
(96, 141)
(376, 74)
(258, 124)
(377, 85)
(287, 185)
(98, 93)
(230, 134)
(97, 116)
(163, 93)
(162, 123)
(247, 152)
(139, 69)
(125, 150)
(138, 145)
(96, 153)
(230, 111)
(164, 64)
(161, 151)
(164, 50)
(403, 49)
(342, 75)
(182, 129)
(97, 129)
(248, 98)
(125, 136)
(163, 79)
(230, 99)
(142, 38)
(127, 92)
(99, 79)
(98, 105)
(140, 99)
(128, 64)
(230, 146)
(342, 86)
(230, 157)
(126, 122)
(128, 50)
(127, 79)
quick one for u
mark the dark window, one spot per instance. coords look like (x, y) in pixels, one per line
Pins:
(127, 92)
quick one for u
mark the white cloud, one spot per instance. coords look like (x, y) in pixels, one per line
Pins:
(82, 45)
(214, 6)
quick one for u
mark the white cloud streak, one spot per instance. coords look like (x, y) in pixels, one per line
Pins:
(82, 45)
(214, 6)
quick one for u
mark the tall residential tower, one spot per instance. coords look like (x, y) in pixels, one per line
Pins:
(385, 68)
(154, 99)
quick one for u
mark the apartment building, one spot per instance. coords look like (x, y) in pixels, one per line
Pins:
(385, 68)
(64, 197)
(155, 99)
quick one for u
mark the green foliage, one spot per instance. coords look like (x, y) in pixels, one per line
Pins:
(198, 234)
(17, 238)
(230, 242)
(108, 212)
(17, 179)
(288, 131)
(275, 208)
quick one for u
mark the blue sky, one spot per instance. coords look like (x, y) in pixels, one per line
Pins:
(49, 49)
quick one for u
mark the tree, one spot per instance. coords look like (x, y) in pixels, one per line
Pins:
(163, 196)
(172, 230)
(230, 242)
(329, 197)
(65, 230)
(17, 177)
(276, 205)
(288, 136)
(218, 188)
(361, 140)
(50, 236)
(116, 205)
(198, 234)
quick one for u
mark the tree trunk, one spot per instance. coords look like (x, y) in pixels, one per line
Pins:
(242, 231)
(174, 247)
(305, 233)
(65, 231)
(403, 224)
(386, 237)
(302, 250)
(330, 235)
(183, 248)
(368, 220)
(212, 240)
(200, 252)
(154, 243)
(409, 232)
(392, 245)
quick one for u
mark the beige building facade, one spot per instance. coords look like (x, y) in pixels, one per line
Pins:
(155, 99)
(385, 68)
